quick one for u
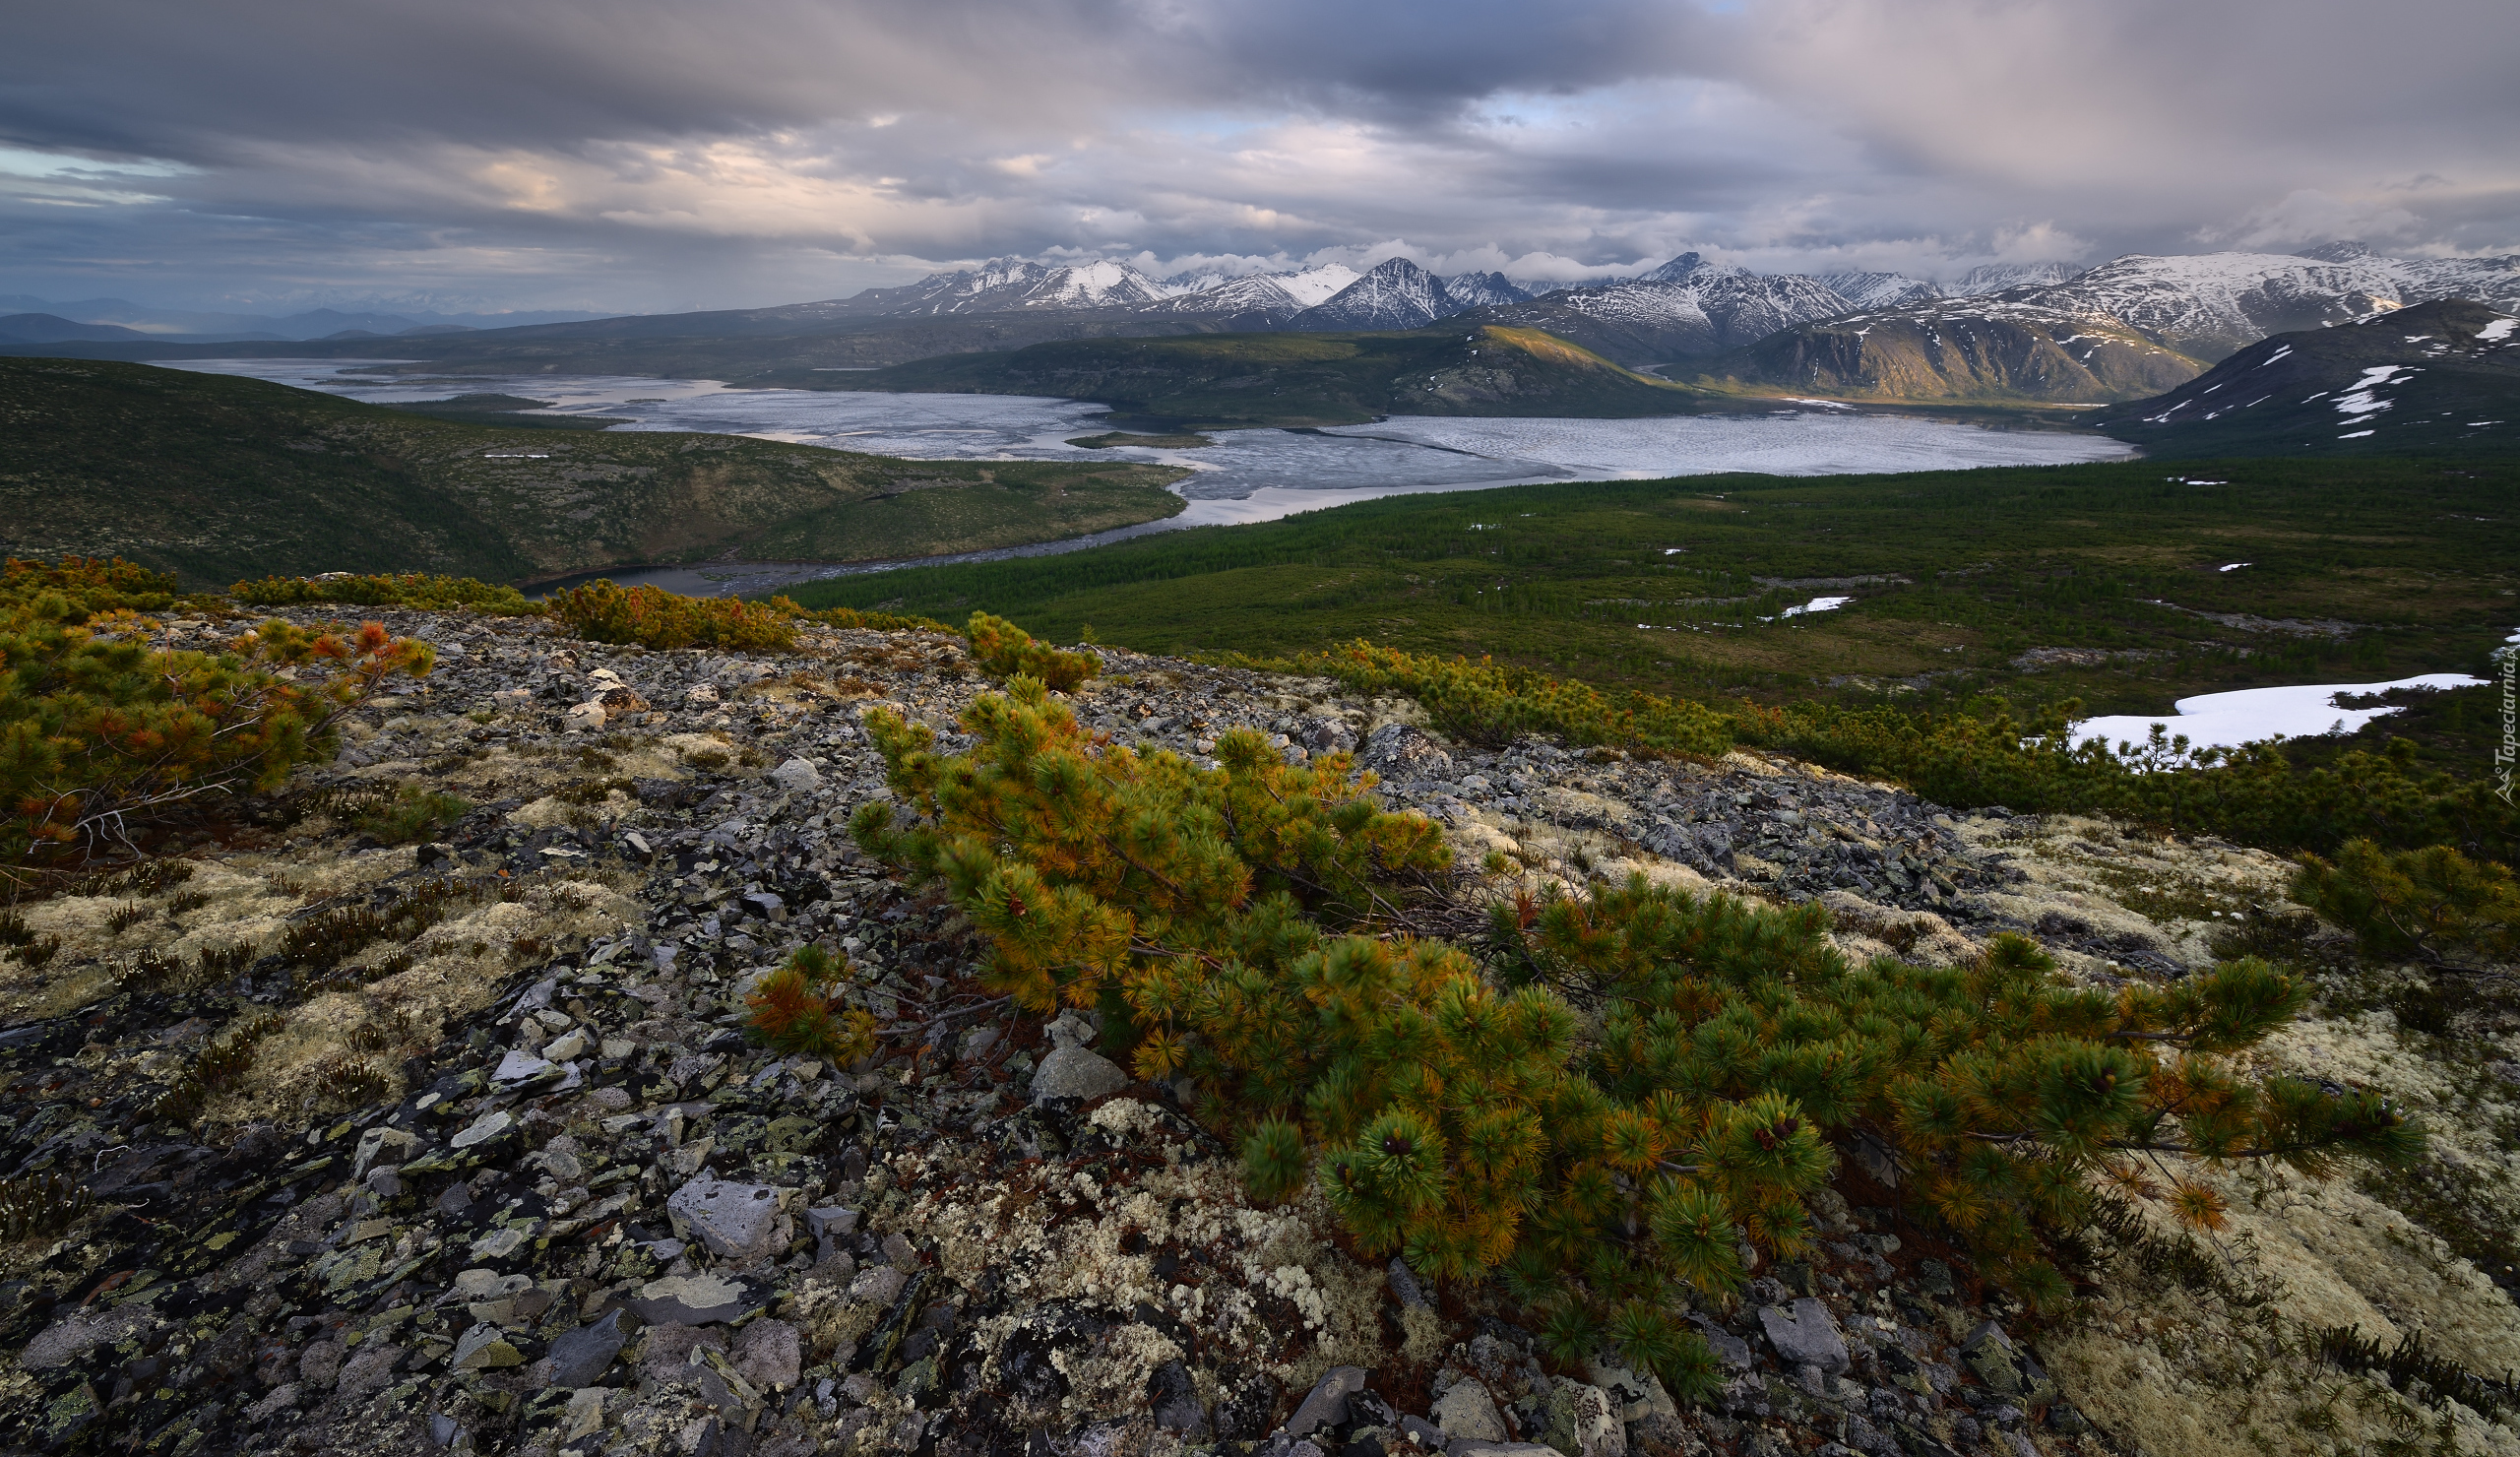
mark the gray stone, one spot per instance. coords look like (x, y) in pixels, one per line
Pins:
(1638, 1394)
(483, 1348)
(1174, 1400)
(1807, 1336)
(769, 1354)
(1074, 1072)
(691, 1300)
(2006, 1367)
(1469, 1413)
(1404, 1284)
(1327, 1405)
(1476, 1448)
(320, 1364)
(797, 776)
(735, 1220)
(880, 1284)
(483, 1129)
(1403, 751)
(1584, 1420)
(374, 1145)
(587, 1353)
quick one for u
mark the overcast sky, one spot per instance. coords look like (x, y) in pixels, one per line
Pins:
(631, 155)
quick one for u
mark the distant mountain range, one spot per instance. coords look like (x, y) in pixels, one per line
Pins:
(28, 319)
(2010, 333)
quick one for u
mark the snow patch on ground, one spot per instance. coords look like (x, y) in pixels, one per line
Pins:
(2251, 715)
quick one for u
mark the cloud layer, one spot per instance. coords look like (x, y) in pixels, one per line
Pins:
(634, 154)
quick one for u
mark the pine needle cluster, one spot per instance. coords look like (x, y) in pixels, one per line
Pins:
(1621, 1095)
(792, 1010)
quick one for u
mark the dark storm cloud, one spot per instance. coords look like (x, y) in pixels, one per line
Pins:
(639, 154)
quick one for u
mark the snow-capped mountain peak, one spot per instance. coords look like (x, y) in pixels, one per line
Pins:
(1395, 293)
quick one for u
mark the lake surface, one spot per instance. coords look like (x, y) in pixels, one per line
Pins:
(1247, 475)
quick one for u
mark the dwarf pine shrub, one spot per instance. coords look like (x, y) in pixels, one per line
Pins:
(2433, 903)
(100, 730)
(871, 621)
(602, 612)
(414, 589)
(790, 1011)
(1005, 650)
(1615, 1093)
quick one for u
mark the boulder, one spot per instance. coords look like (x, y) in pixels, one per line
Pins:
(735, 1220)
(1805, 1336)
(1075, 1072)
(797, 776)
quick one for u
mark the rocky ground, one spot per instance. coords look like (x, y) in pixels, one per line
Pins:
(456, 1144)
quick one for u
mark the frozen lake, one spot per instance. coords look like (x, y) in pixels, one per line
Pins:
(1247, 475)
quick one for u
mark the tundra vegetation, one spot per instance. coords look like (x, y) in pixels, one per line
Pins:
(1605, 1099)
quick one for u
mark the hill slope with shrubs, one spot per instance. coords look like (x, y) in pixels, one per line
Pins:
(662, 1019)
(216, 479)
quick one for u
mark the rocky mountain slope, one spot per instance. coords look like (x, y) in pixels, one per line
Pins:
(1685, 309)
(1961, 350)
(216, 478)
(2434, 379)
(509, 1180)
(1297, 378)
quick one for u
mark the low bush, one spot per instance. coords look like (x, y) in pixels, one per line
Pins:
(412, 590)
(790, 1011)
(100, 730)
(875, 621)
(1603, 1097)
(1005, 650)
(602, 612)
(414, 812)
(2433, 903)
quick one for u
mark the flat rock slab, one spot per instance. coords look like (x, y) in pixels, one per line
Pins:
(693, 1299)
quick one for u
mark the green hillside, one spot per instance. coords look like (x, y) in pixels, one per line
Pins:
(219, 479)
(1301, 379)
(2100, 579)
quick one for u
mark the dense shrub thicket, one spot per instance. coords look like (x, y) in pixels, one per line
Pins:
(1599, 1098)
(414, 590)
(602, 612)
(100, 730)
